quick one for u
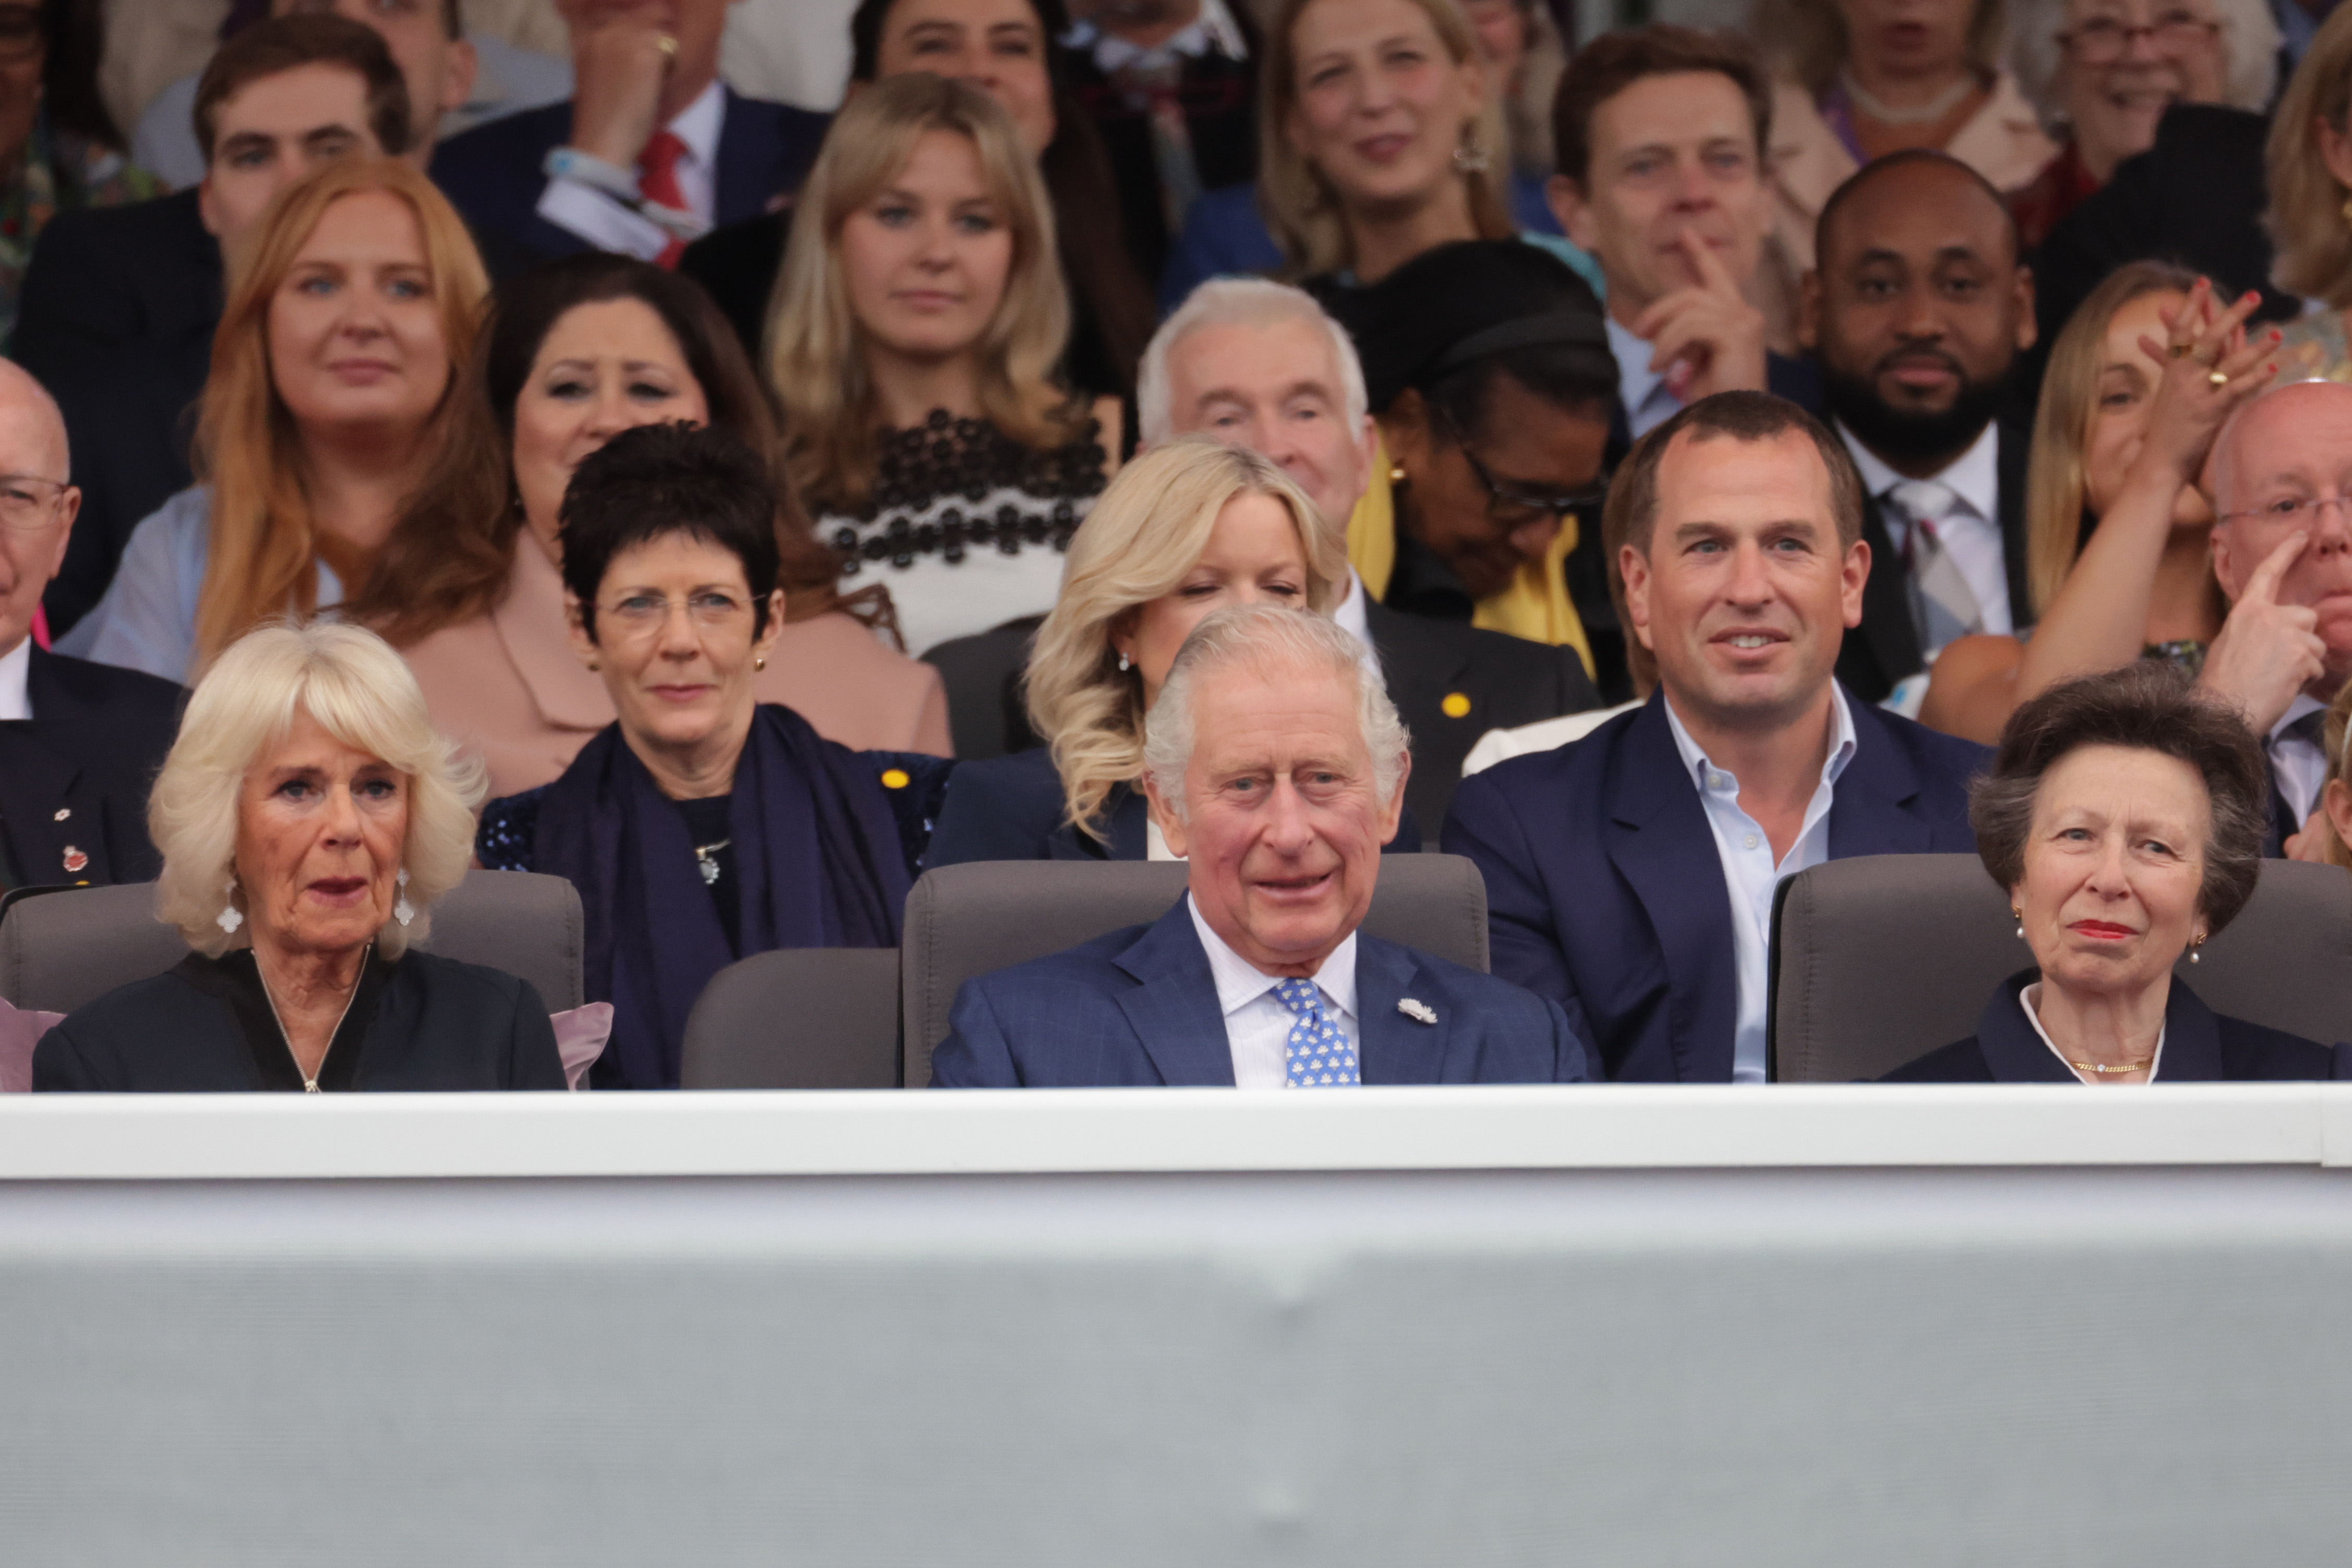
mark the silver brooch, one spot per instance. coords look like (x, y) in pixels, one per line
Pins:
(1419, 1012)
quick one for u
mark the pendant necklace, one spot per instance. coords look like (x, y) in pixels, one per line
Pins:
(1927, 114)
(706, 859)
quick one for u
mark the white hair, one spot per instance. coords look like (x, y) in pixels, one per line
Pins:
(2249, 47)
(1274, 642)
(1240, 303)
(360, 692)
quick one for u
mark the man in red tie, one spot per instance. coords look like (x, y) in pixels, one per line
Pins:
(651, 151)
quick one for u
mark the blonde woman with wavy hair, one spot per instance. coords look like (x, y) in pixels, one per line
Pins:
(2309, 163)
(307, 817)
(911, 344)
(351, 304)
(1187, 528)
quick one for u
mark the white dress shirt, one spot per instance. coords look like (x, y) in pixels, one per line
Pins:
(1971, 531)
(1257, 1026)
(15, 665)
(1749, 874)
(604, 223)
(2298, 766)
(1213, 31)
(1643, 391)
(1352, 615)
(2030, 998)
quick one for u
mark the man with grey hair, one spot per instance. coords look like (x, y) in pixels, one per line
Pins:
(77, 740)
(1275, 764)
(1261, 365)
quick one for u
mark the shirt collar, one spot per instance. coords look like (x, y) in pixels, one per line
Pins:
(1354, 618)
(1974, 476)
(1240, 982)
(1842, 743)
(2030, 999)
(2304, 702)
(698, 124)
(1213, 31)
(15, 666)
(1635, 379)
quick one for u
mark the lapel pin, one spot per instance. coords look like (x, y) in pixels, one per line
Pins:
(1420, 1012)
(74, 859)
(63, 812)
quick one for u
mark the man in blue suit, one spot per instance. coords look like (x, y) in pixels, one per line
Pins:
(1275, 765)
(1630, 875)
(651, 150)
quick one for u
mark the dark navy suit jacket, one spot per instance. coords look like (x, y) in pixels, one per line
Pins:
(74, 778)
(1139, 1007)
(495, 173)
(1604, 891)
(2199, 1046)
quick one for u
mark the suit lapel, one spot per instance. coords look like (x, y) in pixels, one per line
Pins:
(2192, 1039)
(1660, 842)
(747, 175)
(1888, 638)
(1395, 1049)
(2012, 1048)
(35, 784)
(2011, 445)
(1869, 809)
(1173, 1009)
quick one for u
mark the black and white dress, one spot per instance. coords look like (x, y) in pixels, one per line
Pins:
(966, 526)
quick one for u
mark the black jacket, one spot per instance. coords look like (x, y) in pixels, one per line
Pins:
(416, 1022)
(116, 320)
(1219, 100)
(1885, 647)
(74, 778)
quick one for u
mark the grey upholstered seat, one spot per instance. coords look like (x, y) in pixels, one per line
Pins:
(811, 1018)
(964, 920)
(1881, 959)
(60, 950)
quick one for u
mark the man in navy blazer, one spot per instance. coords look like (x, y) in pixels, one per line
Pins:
(1275, 764)
(650, 151)
(1630, 875)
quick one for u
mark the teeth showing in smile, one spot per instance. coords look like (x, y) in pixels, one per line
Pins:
(1751, 641)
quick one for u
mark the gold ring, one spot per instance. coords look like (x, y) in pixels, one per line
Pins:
(668, 46)
(2217, 378)
(2179, 350)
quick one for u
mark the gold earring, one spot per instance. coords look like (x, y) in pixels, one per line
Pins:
(2019, 915)
(1396, 473)
(758, 661)
(594, 667)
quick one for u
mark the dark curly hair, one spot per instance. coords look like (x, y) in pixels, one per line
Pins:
(2146, 705)
(655, 480)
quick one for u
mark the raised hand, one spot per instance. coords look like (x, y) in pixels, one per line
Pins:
(2210, 366)
(2267, 651)
(620, 61)
(1706, 338)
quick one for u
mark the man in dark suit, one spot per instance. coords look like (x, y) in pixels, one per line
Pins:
(120, 303)
(651, 151)
(1260, 364)
(1630, 875)
(79, 742)
(1275, 767)
(1918, 308)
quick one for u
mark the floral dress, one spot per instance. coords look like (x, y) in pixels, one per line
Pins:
(62, 171)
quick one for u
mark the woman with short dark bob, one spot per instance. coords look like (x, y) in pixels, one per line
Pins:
(703, 825)
(2124, 814)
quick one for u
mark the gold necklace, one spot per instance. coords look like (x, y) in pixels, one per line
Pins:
(2140, 1065)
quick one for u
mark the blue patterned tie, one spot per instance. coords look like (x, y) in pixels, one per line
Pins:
(1319, 1055)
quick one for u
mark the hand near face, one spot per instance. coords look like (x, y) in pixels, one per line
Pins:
(1707, 338)
(619, 68)
(2189, 410)
(2267, 651)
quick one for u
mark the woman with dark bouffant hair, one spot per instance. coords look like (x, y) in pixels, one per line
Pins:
(470, 589)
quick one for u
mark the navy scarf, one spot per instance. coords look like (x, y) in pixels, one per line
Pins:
(816, 845)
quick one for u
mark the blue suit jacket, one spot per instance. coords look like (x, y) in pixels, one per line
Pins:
(1604, 891)
(495, 173)
(1139, 1007)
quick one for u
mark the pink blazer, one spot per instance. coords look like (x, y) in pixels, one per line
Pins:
(508, 686)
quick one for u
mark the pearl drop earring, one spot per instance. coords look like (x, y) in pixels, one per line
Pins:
(1124, 666)
(229, 919)
(2020, 915)
(403, 910)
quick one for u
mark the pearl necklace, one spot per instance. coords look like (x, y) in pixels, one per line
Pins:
(1885, 113)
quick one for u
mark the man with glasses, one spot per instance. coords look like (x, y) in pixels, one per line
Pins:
(77, 740)
(1631, 875)
(2283, 553)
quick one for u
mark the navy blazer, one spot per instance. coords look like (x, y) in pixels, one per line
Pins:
(1010, 808)
(1139, 1007)
(495, 173)
(2199, 1046)
(74, 778)
(1604, 891)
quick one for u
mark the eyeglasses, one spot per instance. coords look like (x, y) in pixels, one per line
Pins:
(642, 615)
(1512, 508)
(2294, 509)
(28, 505)
(2103, 40)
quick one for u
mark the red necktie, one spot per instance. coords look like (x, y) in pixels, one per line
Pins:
(657, 183)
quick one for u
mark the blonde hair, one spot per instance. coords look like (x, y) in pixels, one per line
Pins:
(2333, 734)
(1301, 208)
(2249, 41)
(1807, 39)
(1142, 536)
(814, 363)
(2056, 491)
(2306, 218)
(360, 692)
(264, 547)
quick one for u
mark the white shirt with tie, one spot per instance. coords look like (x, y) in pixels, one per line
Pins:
(2298, 765)
(16, 668)
(1257, 1026)
(582, 209)
(1749, 872)
(1970, 527)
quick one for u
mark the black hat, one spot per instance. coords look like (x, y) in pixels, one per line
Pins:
(1451, 307)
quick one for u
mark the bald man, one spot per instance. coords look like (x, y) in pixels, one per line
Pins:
(77, 740)
(1918, 310)
(2282, 551)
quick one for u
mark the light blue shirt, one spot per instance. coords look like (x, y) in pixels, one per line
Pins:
(1749, 872)
(1641, 390)
(148, 618)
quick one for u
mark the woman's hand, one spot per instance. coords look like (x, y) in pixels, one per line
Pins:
(2267, 651)
(2210, 368)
